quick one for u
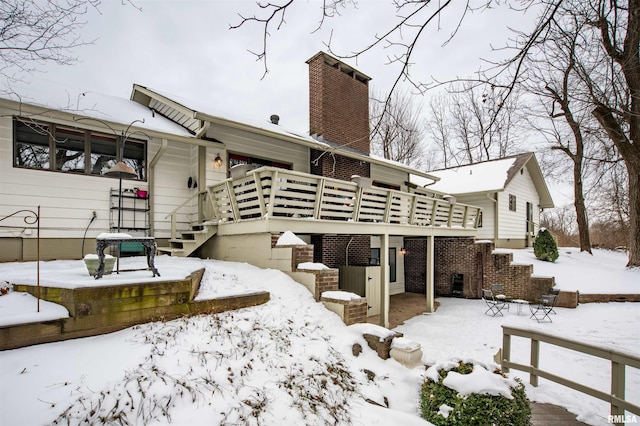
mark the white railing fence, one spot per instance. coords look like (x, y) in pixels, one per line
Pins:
(619, 362)
(272, 192)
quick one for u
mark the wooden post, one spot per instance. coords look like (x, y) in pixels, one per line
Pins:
(535, 361)
(384, 280)
(617, 386)
(430, 284)
(506, 351)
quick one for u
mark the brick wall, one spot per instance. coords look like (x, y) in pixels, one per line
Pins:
(415, 266)
(351, 311)
(338, 102)
(331, 250)
(337, 166)
(455, 256)
(301, 254)
(481, 267)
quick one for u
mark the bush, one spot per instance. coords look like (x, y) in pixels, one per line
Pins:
(473, 409)
(545, 247)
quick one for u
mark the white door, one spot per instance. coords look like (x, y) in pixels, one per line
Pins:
(373, 290)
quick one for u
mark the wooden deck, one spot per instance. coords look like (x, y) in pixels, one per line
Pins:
(284, 195)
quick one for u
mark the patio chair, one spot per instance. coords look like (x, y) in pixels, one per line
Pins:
(555, 292)
(495, 306)
(498, 293)
(540, 311)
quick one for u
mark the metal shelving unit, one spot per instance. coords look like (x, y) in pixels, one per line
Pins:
(131, 209)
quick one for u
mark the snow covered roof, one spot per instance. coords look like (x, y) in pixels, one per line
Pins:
(191, 112)
(487, 176)
(87, 104)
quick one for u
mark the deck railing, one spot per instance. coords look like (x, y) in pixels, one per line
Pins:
(619, 361)
(270, 192)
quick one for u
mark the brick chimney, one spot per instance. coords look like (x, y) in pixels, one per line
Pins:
(338, 102)
(339, 113)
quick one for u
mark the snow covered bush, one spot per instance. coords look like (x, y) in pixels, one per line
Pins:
(545, 247)
(460, 393)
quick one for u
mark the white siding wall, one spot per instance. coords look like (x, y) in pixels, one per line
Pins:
(242, 142)
(389, 176)
(486, 232)
(513, 224)
(67, 200)
(176, 166)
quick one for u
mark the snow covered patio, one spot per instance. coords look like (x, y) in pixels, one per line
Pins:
(73, 304)
(294, 334)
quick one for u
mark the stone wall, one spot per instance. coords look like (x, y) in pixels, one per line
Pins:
(100, 310)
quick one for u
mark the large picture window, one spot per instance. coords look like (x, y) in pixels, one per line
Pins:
(55, 147)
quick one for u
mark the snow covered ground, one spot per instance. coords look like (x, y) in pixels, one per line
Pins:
(279, 363)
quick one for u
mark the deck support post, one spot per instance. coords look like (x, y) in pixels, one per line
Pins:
(430, 293)
(384, 280)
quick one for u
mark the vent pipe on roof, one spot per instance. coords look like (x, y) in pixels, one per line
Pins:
(275, 118)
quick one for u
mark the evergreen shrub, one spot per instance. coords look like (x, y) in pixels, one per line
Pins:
(545, 247)
(473, 409)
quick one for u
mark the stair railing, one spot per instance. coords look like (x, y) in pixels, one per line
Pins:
(201, 195)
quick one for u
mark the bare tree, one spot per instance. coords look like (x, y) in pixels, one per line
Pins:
(397, 135)
(440, 135)
(610, 63)
(33, 32)
(552, 75)
(467, 126)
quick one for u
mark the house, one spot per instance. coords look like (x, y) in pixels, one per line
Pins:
(216, 186)
(511, 192)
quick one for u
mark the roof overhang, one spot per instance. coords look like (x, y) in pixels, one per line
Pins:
(99, 124)
(143, 95)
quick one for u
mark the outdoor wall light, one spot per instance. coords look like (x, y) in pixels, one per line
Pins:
(218, 160)
(403, 251)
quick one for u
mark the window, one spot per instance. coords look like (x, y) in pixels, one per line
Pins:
(392, 265)
(480, 219)
(55, 147)
(374, 260)
(512, 202)
(235, 159)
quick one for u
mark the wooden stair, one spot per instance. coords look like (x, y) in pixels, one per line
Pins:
(189, 241)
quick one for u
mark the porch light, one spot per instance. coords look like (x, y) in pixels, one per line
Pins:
(218, 160)
(403, 251)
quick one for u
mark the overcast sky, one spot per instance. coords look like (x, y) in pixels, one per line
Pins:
(186, 47)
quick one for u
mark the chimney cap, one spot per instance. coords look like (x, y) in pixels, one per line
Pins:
(335, 62)
(275, 118)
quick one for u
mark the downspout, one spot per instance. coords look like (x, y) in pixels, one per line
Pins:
(347, 250)
(152, 167)
(204, 126)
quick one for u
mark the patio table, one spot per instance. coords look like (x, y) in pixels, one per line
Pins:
(149, 244)
(519, 302)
